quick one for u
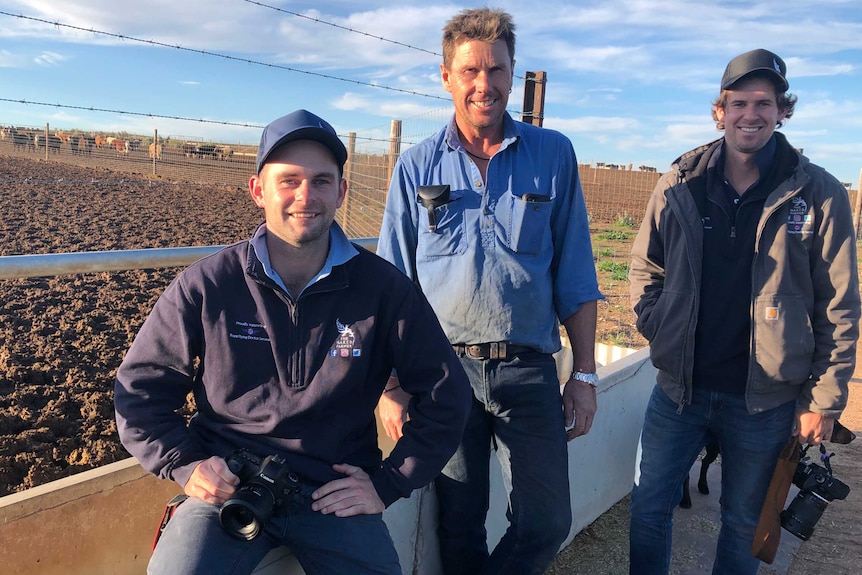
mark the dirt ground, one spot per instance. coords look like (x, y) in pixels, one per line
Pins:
(62, 338)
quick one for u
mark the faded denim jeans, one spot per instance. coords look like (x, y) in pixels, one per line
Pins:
(669, 445)
(517, 409)
(194, 542)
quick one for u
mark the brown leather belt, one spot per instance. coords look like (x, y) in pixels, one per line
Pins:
(493, 350)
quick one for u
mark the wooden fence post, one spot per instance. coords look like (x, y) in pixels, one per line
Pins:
(47, 128)
(858, 208)
(533, 108)
(394, 148)
(155, 148)
(348, 175)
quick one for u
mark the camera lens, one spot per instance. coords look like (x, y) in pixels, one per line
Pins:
(244, 516)
(803, 513)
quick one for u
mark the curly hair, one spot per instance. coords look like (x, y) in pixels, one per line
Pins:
(483, 24)
(785, 100)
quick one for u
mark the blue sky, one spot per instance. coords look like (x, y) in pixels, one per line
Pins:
(629, 81)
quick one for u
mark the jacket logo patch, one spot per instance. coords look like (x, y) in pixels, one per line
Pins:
(248, 331)
(771, 314)
(345, 345)
(799, 222)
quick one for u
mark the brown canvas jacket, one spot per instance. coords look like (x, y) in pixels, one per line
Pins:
(805, 296)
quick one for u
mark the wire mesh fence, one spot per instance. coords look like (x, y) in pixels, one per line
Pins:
(616, 196)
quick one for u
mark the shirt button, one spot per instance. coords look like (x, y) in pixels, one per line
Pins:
(477, 184)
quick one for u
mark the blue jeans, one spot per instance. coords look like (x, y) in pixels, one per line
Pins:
(669, 445)
(194, 542)
(516, 408)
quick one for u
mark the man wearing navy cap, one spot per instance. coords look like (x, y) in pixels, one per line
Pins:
(286, 342)
(744, 282)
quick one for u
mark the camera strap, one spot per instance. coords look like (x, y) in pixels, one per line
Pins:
(170, 509)
(768, 532)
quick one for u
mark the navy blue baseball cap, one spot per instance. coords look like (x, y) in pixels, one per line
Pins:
(299, 125)
(759, 60)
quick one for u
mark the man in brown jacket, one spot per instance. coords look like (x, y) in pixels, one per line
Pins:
(744, 281)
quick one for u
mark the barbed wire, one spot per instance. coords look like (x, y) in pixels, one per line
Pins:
(345, 28)
(58, 24)
(164, 116)
(355, 31)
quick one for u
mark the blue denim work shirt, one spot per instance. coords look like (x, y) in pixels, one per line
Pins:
(510, 256)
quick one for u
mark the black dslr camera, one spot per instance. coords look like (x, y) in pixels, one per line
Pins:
(265, 486)
(817, 487)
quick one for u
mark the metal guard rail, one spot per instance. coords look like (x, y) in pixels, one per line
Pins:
(46, 265)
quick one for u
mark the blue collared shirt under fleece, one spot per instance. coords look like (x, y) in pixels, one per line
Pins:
(510, 255)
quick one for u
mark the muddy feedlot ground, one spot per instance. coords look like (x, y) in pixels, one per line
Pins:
(62, 338)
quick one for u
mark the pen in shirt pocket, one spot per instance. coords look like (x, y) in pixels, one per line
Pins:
(536, 198)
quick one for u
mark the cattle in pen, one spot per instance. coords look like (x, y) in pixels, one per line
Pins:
(155, 151)
(121, 146)
(190, 149)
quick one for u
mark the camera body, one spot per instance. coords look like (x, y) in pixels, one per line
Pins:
(817, 487)
(266, 485)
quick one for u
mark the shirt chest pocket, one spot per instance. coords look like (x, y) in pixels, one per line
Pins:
(441, 233)
(529, 223)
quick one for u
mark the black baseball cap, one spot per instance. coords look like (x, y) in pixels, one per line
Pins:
(759, 60)
(299, 125)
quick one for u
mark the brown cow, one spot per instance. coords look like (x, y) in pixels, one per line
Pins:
(155, 151)
(100, 141)
(121, 146)
(85, 144)
(190, 149)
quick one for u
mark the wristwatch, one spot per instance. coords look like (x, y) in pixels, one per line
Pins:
(591, 378)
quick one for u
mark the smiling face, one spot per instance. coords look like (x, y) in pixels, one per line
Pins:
(299, 189)
(750, 115)
(479, 78)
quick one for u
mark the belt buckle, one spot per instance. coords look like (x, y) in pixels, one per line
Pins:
(474, 352)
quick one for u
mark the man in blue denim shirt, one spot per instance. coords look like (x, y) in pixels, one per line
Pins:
(503, 256)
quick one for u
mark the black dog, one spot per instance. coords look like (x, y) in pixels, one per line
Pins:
(712, 451)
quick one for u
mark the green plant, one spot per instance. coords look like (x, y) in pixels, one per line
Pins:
(624, 220)
(602, 253)
(619, 271)
(616, 235)
(617, 338)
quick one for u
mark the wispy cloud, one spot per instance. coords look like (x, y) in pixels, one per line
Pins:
(50, 59)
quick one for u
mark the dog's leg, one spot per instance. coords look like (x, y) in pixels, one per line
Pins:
(712, 451)
(685, 502)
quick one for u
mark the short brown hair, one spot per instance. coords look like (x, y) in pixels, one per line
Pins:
(483, 24)
(785, 101)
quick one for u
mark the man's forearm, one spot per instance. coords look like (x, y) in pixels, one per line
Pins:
(581, 329)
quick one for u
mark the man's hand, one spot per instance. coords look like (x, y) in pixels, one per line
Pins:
(352, 495)
(579, 406)
(392, 408)
(212, 481)
(812, 428)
